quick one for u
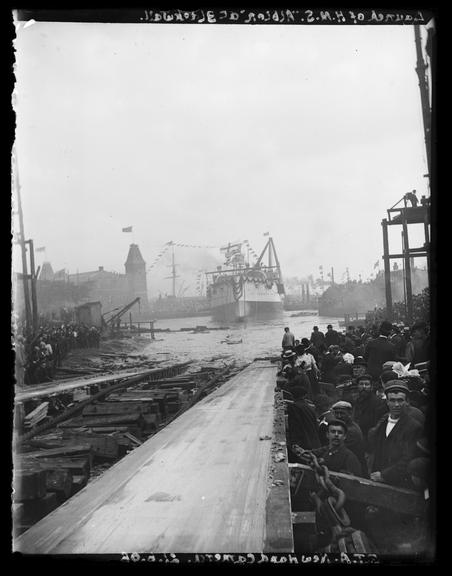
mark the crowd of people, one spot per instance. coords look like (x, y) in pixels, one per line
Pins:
(420, 311)
(359, 401)
(37, 357)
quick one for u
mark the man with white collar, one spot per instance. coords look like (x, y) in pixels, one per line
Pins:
(392, 441)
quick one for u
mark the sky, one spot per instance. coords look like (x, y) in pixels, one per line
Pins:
(205, 135)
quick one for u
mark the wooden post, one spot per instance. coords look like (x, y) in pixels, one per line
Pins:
(23, 248)
(387, 265)
(130, 320)
(406, 256)
(34, 298)
(427, 240)
(151, 326)
(423, 86)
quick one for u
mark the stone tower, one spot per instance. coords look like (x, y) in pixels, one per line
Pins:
(136, 276)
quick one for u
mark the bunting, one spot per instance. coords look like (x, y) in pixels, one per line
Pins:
(178, 244)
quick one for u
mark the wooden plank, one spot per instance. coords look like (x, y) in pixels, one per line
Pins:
(78, 466)
(133, 439)
(115, 408)
(101, 445)
(101, 421)
(368, 492)
(38, 414)
(278, 534)
(184, 385)
(42, 390)
(198, 485)
(60, 451)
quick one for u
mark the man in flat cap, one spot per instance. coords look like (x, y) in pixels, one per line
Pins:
(336, 456)
(354, 441)
(409, 409)
(392, 442)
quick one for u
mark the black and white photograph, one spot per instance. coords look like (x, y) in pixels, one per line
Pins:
(222, 281)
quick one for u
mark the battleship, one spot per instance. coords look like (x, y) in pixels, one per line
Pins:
(239, 290)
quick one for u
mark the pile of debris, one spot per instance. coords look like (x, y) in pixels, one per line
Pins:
(51, 467)
(106, 359)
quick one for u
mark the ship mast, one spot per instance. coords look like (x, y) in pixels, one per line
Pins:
(173, 271)
(270, 246)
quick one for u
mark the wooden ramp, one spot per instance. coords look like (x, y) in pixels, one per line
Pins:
(202, 484)
(67, 385)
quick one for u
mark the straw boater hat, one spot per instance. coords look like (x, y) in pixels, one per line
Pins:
(288, 354)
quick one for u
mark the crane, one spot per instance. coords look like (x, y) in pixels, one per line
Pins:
(111, 321)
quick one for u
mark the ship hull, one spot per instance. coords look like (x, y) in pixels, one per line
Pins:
(238, 311)
(255, 301)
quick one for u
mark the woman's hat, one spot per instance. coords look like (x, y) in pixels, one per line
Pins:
(288, 354)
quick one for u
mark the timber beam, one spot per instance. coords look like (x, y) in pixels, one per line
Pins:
(366, 491)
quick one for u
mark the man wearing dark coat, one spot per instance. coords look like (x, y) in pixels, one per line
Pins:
(392, 442)
(354, 440)
(329, 363)
(368, 408)
(302, 421)
(332, 337)
(318, 339)
(336, 456)
(379, 350)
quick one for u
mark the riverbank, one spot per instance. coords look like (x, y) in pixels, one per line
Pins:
(113, 354)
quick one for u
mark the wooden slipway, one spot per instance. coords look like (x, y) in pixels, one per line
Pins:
(59, 387)
(202, 484)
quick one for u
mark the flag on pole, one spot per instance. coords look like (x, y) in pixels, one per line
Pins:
(266, 233)
(40, 249)
(377, 264)
(128, 229)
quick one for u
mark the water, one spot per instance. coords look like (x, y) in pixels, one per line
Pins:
(259, 339)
